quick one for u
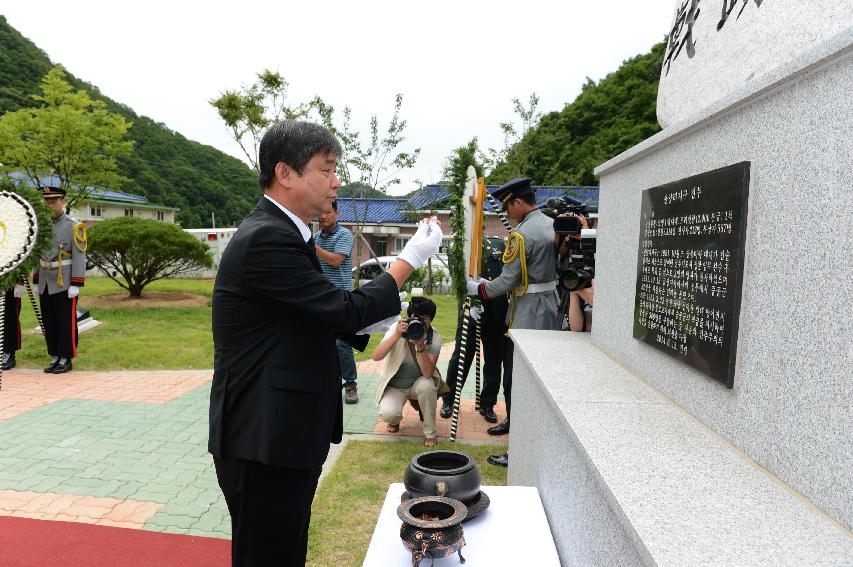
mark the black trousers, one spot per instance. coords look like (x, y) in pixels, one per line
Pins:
(11, 322)
(494, 346)
(509, 350)
(60, 324)
(270, 511)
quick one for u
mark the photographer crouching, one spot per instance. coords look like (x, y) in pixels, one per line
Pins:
(410, 350)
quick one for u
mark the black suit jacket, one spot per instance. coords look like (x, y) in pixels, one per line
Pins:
(276, 393)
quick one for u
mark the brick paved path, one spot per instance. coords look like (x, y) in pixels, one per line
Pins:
(130, 448)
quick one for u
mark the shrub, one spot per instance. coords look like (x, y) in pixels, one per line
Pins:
(134, 252)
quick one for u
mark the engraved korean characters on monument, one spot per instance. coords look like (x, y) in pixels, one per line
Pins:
(715, 47)
(690, 269)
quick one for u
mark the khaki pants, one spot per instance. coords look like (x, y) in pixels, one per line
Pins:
(393, 400)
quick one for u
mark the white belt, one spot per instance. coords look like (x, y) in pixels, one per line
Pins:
(541, 287)
(45, 264)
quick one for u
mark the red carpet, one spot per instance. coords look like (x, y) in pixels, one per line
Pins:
(43, 543)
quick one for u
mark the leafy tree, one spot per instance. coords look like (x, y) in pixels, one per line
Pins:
(134, 252)
(250, 111)
(70, 136)
(604, 120)
(515, 154)
(373, 165)
(456, 175)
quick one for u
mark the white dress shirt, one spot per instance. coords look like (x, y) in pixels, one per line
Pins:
(303, 228)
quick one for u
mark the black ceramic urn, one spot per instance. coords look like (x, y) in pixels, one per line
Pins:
(443, 473)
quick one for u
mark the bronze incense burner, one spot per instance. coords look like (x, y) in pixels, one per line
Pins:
(446, 473)
(432, 527)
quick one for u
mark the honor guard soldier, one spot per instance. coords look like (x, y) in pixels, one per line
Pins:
(528, 277)
(61, 274)
(492, 318)
(11, 326)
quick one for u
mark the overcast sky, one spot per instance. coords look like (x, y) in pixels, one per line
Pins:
(458, 64)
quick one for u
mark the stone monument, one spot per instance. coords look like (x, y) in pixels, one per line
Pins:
(708, 417)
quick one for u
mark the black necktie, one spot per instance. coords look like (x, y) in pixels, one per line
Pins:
(311, 245)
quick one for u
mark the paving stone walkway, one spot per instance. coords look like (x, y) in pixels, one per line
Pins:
(129, 449)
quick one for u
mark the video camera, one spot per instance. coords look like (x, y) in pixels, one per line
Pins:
(575, 269)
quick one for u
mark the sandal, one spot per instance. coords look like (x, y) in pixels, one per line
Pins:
(430, 441)
(392, 427)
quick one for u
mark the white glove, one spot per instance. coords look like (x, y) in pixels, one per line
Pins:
(473, 286)
(380, 327)
(19, 291)
(423, 244)
(475, 312)
(385, 324)
(73, 291)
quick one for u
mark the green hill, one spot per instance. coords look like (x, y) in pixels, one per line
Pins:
(604, 120)
(165, 166)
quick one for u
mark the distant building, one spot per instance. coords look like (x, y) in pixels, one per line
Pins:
(107, 204)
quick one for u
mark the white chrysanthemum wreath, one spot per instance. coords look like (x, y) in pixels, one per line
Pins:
(18, 230)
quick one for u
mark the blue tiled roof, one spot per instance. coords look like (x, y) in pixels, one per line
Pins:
(94, 192)
(427, 195)
(432, 194)
(378, 210)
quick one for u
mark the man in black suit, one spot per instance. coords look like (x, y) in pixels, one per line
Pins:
(275, 402)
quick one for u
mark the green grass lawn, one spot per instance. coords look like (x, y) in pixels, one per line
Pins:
(160, 338)
(348, 501)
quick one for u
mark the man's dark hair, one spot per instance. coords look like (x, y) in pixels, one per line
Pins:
(293, 142)
(425, 306)
(335, 204)
(529, 198)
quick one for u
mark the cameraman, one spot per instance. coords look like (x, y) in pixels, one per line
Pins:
(409, 372)
(580, 309)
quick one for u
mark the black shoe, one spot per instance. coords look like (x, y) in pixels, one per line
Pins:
(489, 414)
(499, 460)
(9, 361)
(52, 366)
(500, 429)
(446, 409)
(63, 367)
(351, 394)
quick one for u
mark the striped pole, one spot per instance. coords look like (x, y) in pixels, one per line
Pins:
(477, 373)
(34, 304)
(501, 215)
(460, 380)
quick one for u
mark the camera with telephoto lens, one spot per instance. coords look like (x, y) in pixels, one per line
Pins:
(417, 327)
(575, 269)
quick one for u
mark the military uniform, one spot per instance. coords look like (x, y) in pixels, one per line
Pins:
(63, 266)
(529, 278)
(11, 328)
(493, 329)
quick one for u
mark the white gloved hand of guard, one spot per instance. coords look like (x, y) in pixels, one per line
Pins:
(476, 312)
(423, 244)
(73, 291)
(19, 291)
(473, 286)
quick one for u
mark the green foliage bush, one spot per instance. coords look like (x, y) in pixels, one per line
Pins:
(135, 252)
